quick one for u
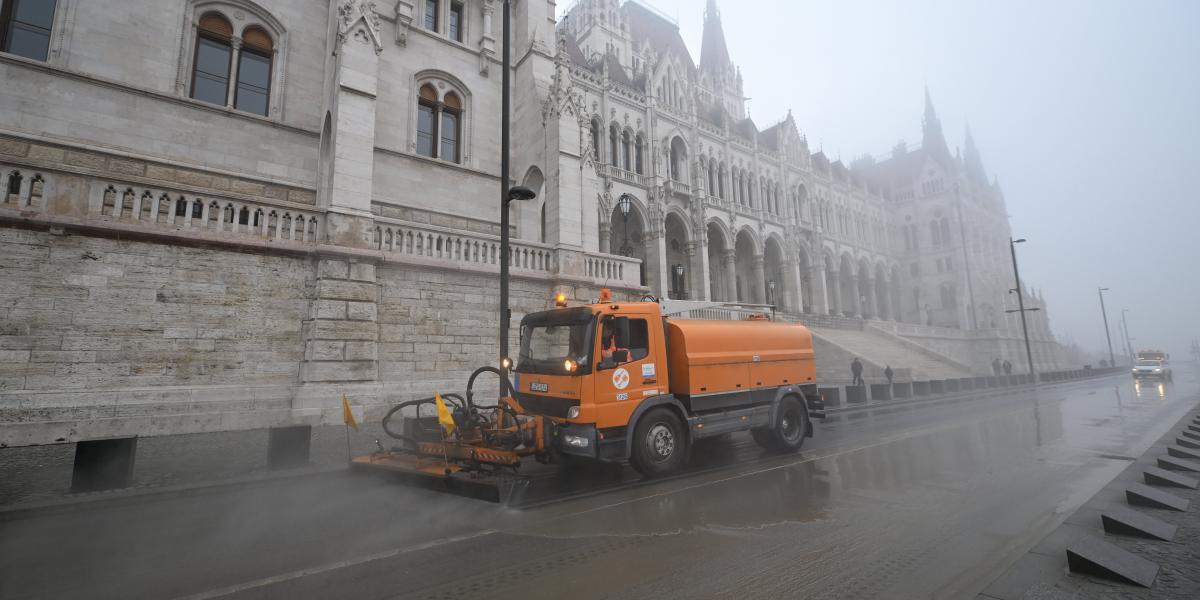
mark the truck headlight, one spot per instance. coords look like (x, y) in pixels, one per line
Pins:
(573, 412)
(575, 441)
(1158, 370)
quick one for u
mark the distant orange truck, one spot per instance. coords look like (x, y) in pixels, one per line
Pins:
(617, 381)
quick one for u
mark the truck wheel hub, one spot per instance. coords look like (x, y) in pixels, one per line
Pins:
(662, 441)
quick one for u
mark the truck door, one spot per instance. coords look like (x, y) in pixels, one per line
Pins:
(628, 370)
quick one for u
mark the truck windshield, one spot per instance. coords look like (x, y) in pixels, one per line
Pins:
(550, 338)
(1149, 363)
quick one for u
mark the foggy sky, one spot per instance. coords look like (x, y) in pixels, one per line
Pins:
(1088, 112)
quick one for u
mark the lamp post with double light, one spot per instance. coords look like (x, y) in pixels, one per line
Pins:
(1012, 247)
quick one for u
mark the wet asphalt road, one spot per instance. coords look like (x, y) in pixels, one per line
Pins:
(928, 501)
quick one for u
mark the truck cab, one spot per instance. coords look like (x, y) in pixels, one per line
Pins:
(1152, 364)
(622, 381)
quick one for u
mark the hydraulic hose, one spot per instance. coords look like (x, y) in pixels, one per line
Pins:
(387, 417)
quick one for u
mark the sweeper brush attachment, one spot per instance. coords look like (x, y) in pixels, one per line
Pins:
(478, 456)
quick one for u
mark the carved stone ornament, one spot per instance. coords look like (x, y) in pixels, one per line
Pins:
(358, 20)
(404, 17)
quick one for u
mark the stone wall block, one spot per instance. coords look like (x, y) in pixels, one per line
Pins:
(325, 350)
(160, 172)
(361, 311)
(330, 309)
(337, 269)
(193, 178)
(47, 153)
(247, 187)
(85, 159)
(126, 167)
(14, 356)
(340, 371)
(362, 351)
(329, 289)
(362, 272)
(13, 147)
(344, 330)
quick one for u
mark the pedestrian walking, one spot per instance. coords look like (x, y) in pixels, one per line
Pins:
(1007, 368)
(856, 371)
(887, 372)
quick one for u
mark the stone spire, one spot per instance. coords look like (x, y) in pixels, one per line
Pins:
(973, 161)
(714, 54)
(932, 139)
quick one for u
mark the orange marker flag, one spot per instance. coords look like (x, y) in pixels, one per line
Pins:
(347, 414)
(444, 416)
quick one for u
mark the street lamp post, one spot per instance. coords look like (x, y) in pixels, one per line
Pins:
(625, 203)
(1012, 247)
(680, 289)
(1111, 358)
(1128, 340)
(771, 291)
(507, 195)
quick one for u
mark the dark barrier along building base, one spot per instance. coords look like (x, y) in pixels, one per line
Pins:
(902, 390)
(1102, 559)
(288, 447)
(920, 388)
(1143, 495)
(937, 386)
(951, 386)
(1123, 521)
(881, 391)
(856, 394)
(103, 464)
(831, 395)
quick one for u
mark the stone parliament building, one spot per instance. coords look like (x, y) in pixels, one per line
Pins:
(263, 205)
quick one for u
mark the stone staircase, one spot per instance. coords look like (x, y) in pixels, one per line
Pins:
(836, 347)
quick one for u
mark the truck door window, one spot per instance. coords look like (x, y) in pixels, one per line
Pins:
(634, 340)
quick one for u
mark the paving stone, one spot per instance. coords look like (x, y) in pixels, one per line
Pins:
(1143, 495)
(1125, 521)
(1156, 476)
(1178, 464)
(1097, 557)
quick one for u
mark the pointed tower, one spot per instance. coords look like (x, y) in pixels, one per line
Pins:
(932, 139)
(973, 161)
(717, 72)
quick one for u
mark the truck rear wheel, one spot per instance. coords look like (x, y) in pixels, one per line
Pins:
(790, 428)
(660, 444)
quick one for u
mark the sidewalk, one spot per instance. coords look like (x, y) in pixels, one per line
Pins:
(1043, 572)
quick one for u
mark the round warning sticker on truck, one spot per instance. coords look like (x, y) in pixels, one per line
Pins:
(621, 378)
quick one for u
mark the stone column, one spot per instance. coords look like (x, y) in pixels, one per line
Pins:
(794, 296)
(605, 237)
(697, 276)
(819, 289)
(759, 285)
(889, 300)
(340, 338)
(855, 297)
(870, 310)
(657, 270)
(731, 276)
(835, 283)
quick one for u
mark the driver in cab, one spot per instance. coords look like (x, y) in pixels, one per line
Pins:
(612, 348)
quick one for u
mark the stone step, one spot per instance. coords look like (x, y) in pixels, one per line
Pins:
(1097, 557)
(1191, 434)
(1144, 495)
(1178, 464)
(1181, 452)
(1188, 443)
(1126, 521)
(1156, 476)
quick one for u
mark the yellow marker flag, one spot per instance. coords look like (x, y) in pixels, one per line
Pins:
(347, 414)
(444, 417)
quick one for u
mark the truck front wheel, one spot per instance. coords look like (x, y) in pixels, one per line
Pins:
(790, 428)
(660, 444)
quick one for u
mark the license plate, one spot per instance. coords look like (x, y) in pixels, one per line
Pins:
(536, 386)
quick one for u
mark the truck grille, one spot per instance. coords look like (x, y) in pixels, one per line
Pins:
(546, 405)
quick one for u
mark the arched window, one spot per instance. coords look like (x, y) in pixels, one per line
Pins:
(426, 120)
(935, 233)
(945, 231)
(214, 52)
(254, 72)
(439, 124)
(220, 59)
(712, 177)
(25, 27)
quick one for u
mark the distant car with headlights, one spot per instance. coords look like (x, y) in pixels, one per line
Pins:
(1152, 368)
